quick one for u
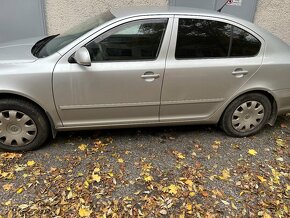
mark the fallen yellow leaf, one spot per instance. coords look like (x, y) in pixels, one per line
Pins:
(97, 170)
(188, 207)
(252, 152)
(84, 212)
(173, 189)
(262, 179)
(285, 208)
(23, 206)
(86, 184)
(147, 167)
(19, 168)
(83, 147)
(7, 203)
(7, 175)
(178, 155)
(217, 193)
(217, 142)
(276, 176)
(280, 142)
(30, 163)
(70, 195)
(225, 175)
(10, 214)
(96, 177)
(192, 194)
(57, 211)
(189, 183)
(148, 178)
(266, 215)
(120, 160)
(234, 206)
(19, 191)
(182, 215)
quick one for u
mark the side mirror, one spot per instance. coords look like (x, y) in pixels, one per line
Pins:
(82, 57)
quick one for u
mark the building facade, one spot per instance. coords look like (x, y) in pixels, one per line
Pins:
(272, 15)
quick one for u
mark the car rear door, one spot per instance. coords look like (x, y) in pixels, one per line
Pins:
(209, 59)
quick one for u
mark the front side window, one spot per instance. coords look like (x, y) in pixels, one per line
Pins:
(199, 38)
(137, 40)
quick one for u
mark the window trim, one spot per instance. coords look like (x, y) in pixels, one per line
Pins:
(107, 33)
(230, 22)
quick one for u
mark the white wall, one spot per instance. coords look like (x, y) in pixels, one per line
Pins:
(272, 15)
(63, 14)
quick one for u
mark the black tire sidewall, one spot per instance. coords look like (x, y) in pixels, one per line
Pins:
(36, 114)
(226, 123)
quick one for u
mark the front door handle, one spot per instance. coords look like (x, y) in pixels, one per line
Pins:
(240, 72)
(150, 76)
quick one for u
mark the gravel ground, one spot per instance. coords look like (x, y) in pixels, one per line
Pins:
(152, 172)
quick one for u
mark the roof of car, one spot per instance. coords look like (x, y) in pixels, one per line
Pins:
(171, 10)
(135, 11)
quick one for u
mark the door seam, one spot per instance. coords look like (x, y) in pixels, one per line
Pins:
(169, 44)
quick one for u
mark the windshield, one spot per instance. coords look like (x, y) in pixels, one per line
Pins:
(52, 44)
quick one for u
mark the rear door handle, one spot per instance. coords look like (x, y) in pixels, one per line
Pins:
(240, 72)
(150, 76)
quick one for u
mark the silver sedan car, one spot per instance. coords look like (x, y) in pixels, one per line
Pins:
(143, 67)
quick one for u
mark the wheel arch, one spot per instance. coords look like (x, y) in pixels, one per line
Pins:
(268, 94)
(5, 95)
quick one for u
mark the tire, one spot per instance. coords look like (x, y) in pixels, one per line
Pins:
(23, 125)
(246, 115)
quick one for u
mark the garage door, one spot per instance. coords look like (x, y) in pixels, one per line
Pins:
(21, 19)
(241, 8)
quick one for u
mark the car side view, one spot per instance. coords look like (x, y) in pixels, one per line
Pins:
(143, 67)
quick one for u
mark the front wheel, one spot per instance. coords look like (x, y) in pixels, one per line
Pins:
(23, 125)
(246, 115)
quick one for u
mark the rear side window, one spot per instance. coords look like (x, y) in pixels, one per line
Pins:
(199, 38)
(244, 44)
(202, 39)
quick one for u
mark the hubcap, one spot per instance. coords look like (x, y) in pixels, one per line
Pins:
(16, 128)
(248, 116)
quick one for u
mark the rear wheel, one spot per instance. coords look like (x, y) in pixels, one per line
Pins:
(246, 115)
(23, 125)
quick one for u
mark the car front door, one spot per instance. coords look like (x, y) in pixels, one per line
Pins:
(208, 61)
(123, 83)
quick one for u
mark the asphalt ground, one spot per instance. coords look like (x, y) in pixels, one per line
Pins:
(185, 171)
